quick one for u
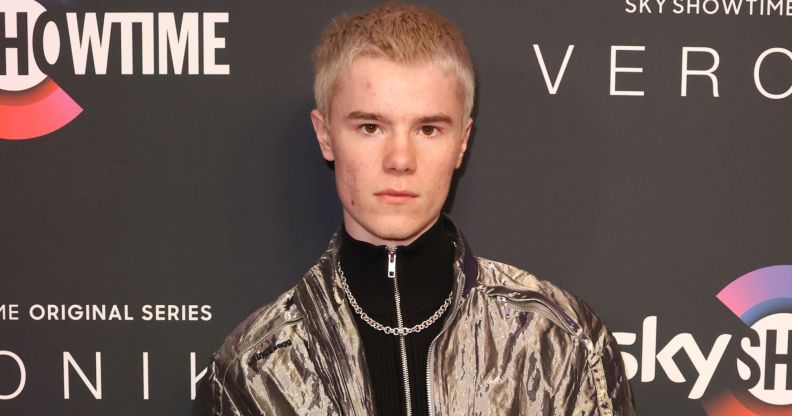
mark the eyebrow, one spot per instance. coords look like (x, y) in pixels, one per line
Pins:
(437, 118)
(363, 115)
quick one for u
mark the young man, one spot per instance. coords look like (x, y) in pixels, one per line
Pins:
(397, 316)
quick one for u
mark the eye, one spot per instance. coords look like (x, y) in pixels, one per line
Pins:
(369, 128)
(430, 130)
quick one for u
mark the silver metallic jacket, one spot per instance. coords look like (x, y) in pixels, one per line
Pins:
(510, 345)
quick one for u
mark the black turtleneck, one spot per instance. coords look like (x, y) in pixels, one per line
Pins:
(424, 270)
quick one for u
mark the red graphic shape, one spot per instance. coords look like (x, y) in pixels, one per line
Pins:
(35, 112)
(728, 404)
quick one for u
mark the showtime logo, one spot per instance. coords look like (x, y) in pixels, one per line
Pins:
(762, 299)
(34, 41)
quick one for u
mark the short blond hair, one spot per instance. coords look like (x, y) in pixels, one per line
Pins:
(404, 33)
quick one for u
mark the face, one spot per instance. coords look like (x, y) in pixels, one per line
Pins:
(396, 133)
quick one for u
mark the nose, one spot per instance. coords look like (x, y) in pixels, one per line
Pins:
(400, 157)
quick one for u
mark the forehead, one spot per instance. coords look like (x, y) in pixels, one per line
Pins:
(381, 85)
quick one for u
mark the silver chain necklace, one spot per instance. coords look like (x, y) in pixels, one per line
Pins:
(398, 331)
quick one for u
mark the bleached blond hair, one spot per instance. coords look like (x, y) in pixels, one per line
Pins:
(406, 34)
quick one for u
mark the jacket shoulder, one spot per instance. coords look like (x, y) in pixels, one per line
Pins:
(230, 366)
(495, 276)
(260, 326)
(605, 386)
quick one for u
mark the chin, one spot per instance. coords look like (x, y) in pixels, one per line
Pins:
(399, 228)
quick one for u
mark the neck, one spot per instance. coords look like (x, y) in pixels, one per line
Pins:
(360, 233)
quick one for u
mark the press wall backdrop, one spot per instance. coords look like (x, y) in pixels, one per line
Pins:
(159, 181)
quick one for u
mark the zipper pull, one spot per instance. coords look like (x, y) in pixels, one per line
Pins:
(392, 263)
(505, 304)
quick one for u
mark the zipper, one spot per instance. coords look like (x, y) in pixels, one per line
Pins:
(429, 360)
(539, 307)
(400, 324)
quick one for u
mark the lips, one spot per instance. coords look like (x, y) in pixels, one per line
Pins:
(394, 196)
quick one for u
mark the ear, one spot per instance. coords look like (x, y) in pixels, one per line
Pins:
(465, 137)
(322, 130)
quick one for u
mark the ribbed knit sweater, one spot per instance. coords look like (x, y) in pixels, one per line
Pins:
(425, 277)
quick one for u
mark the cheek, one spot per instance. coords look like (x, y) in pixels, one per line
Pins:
(443, 169)
(347, 182)
(439, 179)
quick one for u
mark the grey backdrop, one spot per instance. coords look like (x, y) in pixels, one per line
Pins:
(210, 190)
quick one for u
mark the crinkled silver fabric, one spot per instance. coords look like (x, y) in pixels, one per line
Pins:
(511, 345)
